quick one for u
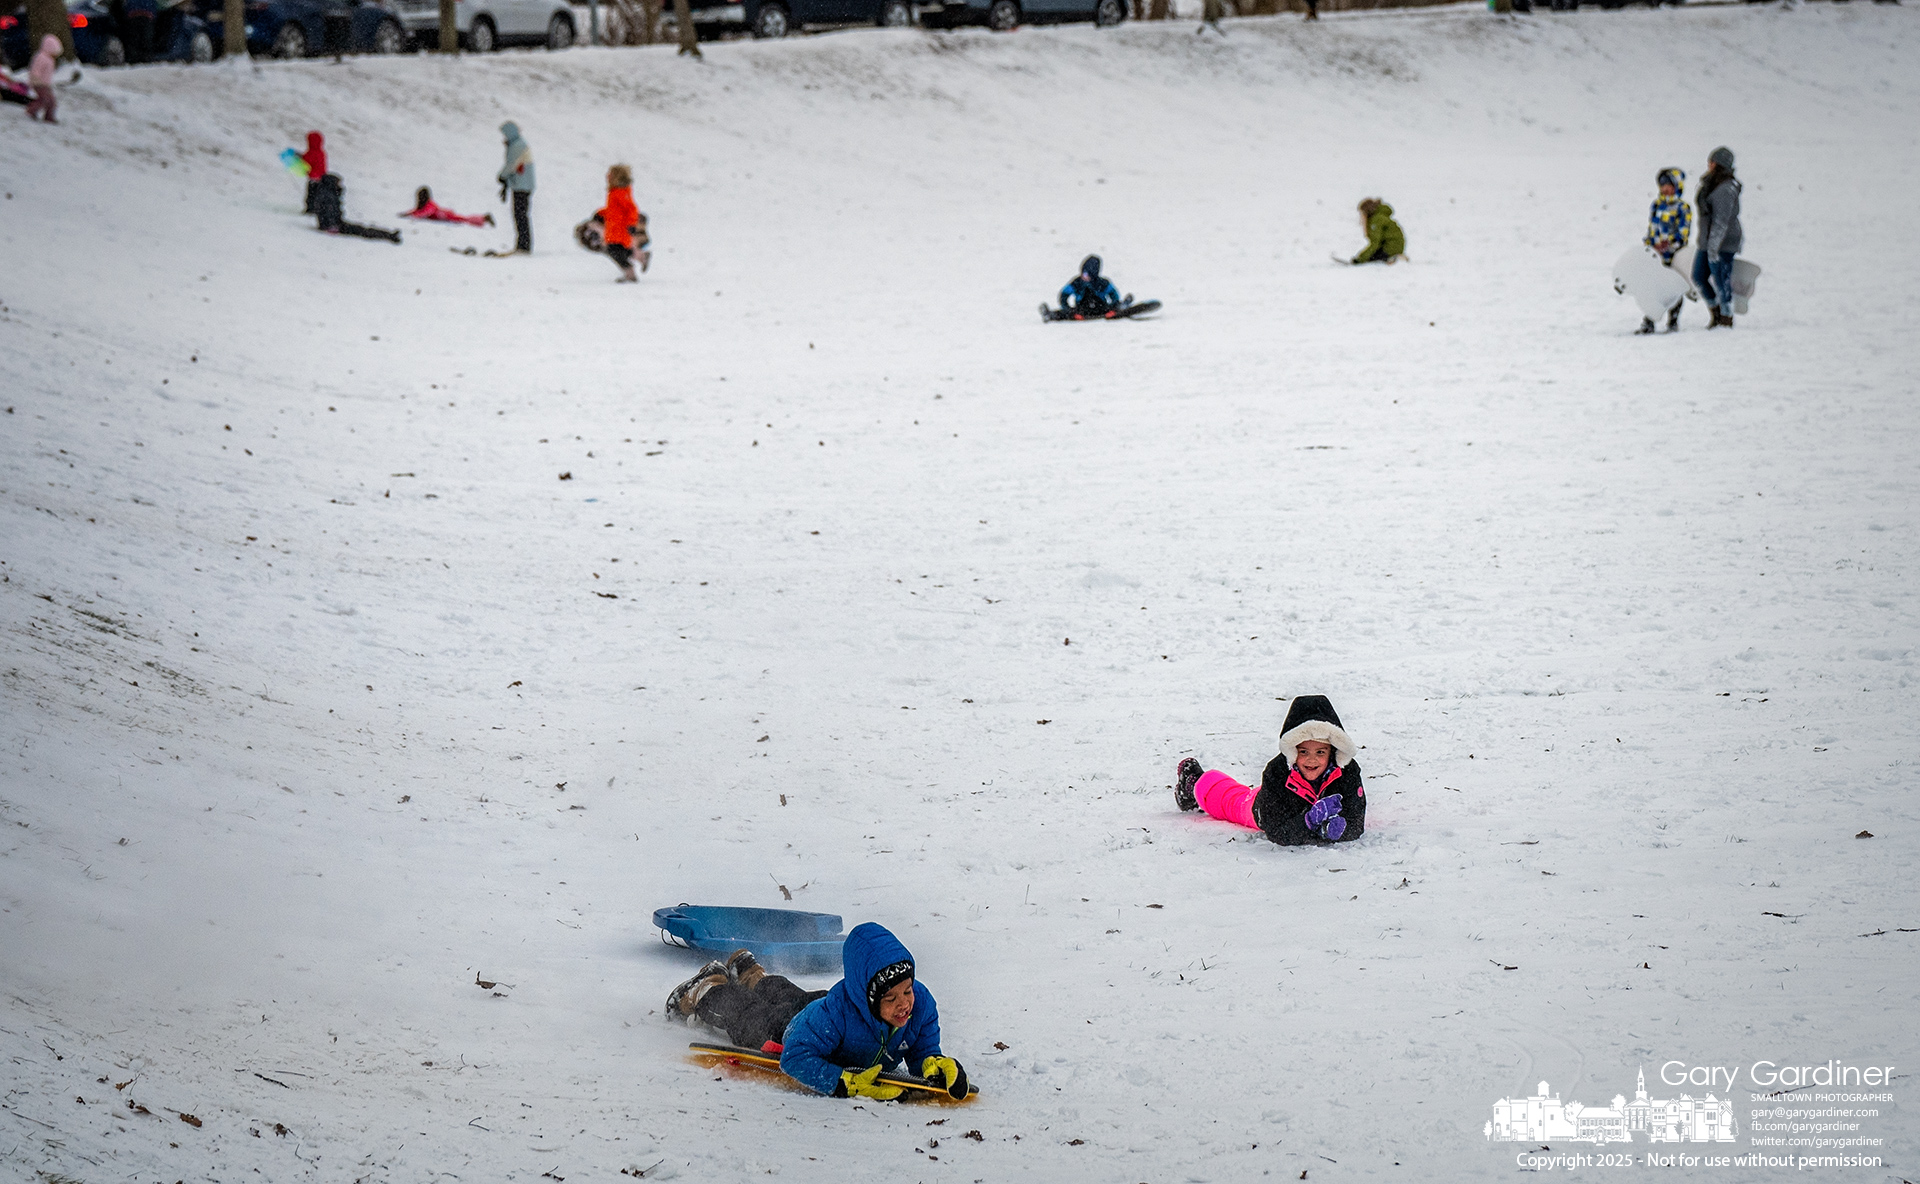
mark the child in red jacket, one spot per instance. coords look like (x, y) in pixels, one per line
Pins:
(623, 225)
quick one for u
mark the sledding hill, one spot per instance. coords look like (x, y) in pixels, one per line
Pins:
(379, 620)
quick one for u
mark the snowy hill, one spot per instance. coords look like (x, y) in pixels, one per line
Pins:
(379, 620)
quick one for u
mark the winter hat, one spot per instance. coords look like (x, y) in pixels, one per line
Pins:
(1090, 267)
(50, 45)
(1722, 156)
(1312, 717)
(886, 979)
(1674, 177)
(510, 130)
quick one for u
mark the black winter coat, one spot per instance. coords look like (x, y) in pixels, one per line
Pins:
(1281, 809)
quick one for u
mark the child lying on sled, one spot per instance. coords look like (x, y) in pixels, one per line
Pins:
(837, 1041)
(1309, 794)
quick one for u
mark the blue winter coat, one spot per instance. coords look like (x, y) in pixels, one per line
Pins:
(1082, 290)
(517, 173)
(838, 1031)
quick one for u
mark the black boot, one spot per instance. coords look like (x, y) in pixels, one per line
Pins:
(684, 998)
(1673, 319)
(1646, 326)
(1187, 773)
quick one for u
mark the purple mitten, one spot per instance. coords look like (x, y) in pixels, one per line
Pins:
(1322, 810)
(1334, 829)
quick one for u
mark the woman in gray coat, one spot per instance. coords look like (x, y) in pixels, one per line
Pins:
(1718, 236)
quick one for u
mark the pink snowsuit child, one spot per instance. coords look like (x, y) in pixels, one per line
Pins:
(428, 210)
(40, 74)
(1310, 794)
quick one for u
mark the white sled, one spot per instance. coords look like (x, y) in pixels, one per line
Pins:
(1746, 276)
(1654, 286)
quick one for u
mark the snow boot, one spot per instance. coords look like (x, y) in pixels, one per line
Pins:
(684, 998)
(744, 970)
(1646, 326)
(1673, 319)
(1188, 773)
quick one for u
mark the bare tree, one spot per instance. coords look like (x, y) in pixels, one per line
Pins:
(233, 18)
(49, 16)
(683, 20)
(449, 29)
(650, 22)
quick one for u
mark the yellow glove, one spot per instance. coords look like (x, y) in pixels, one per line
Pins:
(945, 1071)
(864, 1085)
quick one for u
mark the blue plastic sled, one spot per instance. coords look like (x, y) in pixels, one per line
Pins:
(782, 939)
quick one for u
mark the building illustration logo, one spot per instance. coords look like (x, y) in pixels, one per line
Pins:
(1544, 1116)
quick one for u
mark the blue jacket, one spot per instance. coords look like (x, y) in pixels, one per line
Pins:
(1080, 290)
(1670, 220)
(517, 172)
(839, 1031)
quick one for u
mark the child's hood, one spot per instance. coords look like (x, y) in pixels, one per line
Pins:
(315, 141)
(1675, 177)
(869, 950)
(510, 130)
(1312, 717)
(50, 45)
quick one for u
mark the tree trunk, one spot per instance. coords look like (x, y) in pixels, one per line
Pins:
(233, 19)
(1158, 10)
(650, 27)
(49, 16)
(449, 28)
(683, 20)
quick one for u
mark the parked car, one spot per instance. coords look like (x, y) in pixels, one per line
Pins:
(486, 25)
(101, 40)
(1006, 14)
(777, 18)
(301, 28)
(1574, 5)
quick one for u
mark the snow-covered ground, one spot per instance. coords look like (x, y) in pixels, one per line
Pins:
(326, 695)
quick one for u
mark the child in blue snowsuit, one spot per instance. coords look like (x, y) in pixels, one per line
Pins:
(1089, 294)
(838, 1041)
(1669, 222)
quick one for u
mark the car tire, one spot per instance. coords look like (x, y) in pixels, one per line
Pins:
(389, 37)
(772, 21)
(895, 14)
(1003, 16)
(290, 41)
(1109, 13)
(200, 48)
(559, 32)
(480, 38)
(113, 53)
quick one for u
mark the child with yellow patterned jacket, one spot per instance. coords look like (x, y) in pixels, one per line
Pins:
(1669, 222)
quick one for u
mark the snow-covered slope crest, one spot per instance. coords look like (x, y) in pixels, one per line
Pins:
(388, 631)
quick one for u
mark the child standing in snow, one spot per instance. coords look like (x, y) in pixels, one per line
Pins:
(315, 158)
(1311, 793)
(425, 209)
(1669, 222)
(623, 225)
(1386, 243)
(837, 1041)
(40, 74)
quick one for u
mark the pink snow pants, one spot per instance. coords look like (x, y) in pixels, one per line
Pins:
(1226, 799)
(43, 104)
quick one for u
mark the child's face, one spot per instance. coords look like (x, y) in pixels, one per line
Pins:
(1311, 757)
(896, 1006)
(1666, 191)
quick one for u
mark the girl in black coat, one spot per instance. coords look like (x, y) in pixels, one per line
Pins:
(1310, 794)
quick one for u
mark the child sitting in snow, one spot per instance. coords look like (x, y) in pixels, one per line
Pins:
(622, 226)
(837, 1041)
(1088, 294)
(1386, 242)
(1669, 222)
(426, 210)
(1316, 797)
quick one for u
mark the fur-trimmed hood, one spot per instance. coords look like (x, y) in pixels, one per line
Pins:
(1312, 717)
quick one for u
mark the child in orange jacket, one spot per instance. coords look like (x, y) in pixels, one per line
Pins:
(624, 226)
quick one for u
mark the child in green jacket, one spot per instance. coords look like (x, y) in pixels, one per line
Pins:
(1386, 243)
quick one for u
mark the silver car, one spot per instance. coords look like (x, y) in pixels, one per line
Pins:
(486, 25)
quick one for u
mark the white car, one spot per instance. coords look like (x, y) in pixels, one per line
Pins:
(486, 25)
